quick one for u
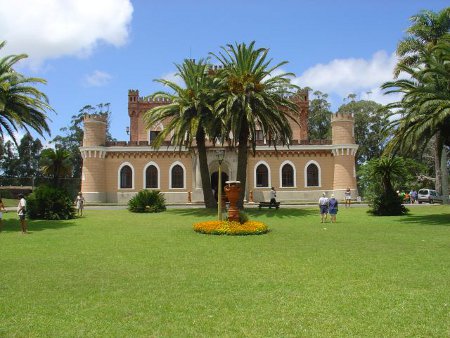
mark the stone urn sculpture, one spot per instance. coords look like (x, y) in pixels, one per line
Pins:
(232, 189)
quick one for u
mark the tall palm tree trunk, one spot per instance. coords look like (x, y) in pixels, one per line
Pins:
(444, 171)
(437, 149)
(204, 170)
(241, 174)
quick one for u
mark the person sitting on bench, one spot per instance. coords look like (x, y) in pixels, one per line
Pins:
(273, 195)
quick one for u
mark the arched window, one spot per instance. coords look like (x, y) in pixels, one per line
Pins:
(177, 176)
(287, 176)
(312, 175)
(151, 177)
(262, 176)
(126, 177)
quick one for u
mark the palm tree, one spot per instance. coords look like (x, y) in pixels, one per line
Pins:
(385, 170)
(21, 104)
(189, 115)
(253, 96)
(425, 101)
(427, 29)
(426, 107)
(56, 164)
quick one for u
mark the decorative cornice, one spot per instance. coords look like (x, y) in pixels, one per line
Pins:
(92, 153)
(131, 149)
(309, 147)
(344, 149)
(335, 150)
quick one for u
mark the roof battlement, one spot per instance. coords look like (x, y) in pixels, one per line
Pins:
(149, 99)
(214, 68)
(300, 95)
(95, 118)
(146, 99)
(342, 117)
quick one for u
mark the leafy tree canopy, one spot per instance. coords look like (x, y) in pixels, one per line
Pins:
(370, 123)
(21, 161)
(319, 118)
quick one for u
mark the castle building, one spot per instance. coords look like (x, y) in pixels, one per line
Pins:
(115, 171)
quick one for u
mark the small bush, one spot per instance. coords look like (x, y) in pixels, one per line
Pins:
(243, 217)
(50, 203)
(147, 201)
(387, 205)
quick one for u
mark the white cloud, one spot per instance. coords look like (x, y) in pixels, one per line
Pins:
(376, 94)
(97, 79)
(173, 77)
(54, 28)
(341, 77)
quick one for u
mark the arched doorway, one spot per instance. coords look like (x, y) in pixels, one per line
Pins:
(215, 182)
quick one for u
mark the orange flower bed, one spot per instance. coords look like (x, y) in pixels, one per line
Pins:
(231, 228)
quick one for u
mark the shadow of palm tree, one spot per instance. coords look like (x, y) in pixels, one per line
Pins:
(438, 219)
(13, 225)
(200, 212)
(253, 212)
(281, 213)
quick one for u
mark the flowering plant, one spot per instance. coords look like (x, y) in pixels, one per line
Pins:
(231, 228)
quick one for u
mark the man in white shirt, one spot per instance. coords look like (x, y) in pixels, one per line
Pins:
(323, 205)
(272, 196)
(21, 211)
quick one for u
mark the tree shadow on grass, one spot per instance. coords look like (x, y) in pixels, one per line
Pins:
(199, 213)
(252, 213)
(281, 213)
(437, 219)
(13, 225)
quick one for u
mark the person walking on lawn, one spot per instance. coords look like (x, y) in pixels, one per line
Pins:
(348, 197)
(21, 212)
(79, 203)
(2, 208)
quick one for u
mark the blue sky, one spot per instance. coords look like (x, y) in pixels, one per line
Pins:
(92, 52)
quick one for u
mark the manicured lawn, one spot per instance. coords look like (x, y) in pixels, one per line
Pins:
(117, 274)
(9, 202)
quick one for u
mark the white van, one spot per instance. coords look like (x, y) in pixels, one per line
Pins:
(428, 195)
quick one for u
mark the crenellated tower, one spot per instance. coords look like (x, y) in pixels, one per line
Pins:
(300, 126)
(133, 113)
(137, 107)
(93, 180)
(344, 152)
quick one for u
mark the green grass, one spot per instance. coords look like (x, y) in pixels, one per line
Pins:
(9, 202)
(116, 274)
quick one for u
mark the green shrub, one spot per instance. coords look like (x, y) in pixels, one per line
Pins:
(147, 201)
(50, 203)
(387, 204)
(8, 194)
(243, 217)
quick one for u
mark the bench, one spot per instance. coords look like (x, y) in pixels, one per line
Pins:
(268, 205)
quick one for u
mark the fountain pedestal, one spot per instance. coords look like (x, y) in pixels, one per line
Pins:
(232, 189)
